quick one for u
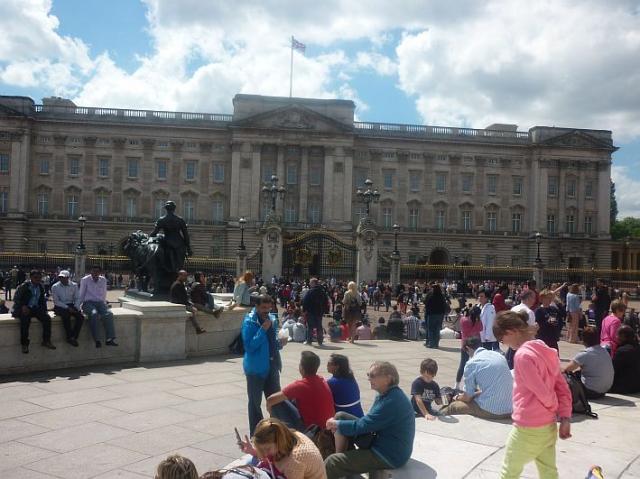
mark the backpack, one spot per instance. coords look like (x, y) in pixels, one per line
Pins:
(580, 404)
(322, 438)
(237, 346)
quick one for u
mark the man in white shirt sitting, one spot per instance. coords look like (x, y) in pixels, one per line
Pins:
(66, 304)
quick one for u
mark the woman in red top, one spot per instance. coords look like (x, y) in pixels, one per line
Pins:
(499, 297)
(470, 325)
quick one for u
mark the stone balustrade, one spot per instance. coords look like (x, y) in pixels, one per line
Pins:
(146, 332)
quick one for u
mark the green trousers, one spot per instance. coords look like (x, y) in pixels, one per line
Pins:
(355, 461)
(526, 444)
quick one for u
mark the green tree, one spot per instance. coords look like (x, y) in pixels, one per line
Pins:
(614, 205)
(628, 227)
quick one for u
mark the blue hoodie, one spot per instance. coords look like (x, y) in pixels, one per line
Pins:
(393, 420)
(256, 344)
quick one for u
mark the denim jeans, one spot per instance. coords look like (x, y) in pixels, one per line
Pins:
(314, 322)
(288, 413)
(434, 325)
(93, 310)
(464, 358)
(491, 345)
(256, 387)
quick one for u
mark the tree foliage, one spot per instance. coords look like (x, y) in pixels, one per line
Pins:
(614, 205)
(628, 227)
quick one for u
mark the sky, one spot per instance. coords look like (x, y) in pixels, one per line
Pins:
(457, 63)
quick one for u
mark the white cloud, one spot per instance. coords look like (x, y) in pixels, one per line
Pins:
(627, 192)
(381, 64)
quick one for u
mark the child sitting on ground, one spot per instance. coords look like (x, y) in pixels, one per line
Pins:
(335, 333)
(380, 331)
(425, 391)
(176, 467)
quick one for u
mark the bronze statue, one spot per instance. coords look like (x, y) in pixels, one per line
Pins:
(176, 245)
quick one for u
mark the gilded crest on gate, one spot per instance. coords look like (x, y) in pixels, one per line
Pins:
(303, 257)
(334, 257)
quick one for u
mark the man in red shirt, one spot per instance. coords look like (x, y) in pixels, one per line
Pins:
(306, 401)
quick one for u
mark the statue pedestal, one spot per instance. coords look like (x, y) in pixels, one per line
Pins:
(367, 257)
(80, 263)
(272, 251)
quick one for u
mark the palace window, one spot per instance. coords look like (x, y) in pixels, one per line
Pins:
(292, 174)
(517, 185)
(440, 220)
(132, 167)
(571, 187)
(571, 224)
(218, 172)
(315, 176)
(414, 214)
(490, 260)
(103, 167)
(4, 201)
(72, 205)
(74, 166)
(132, 207)
(387, 216)
(467, 182)
(218, 211)
(102, 204)
(552, 186)
(441, 182)
(44, 166)
(158, 207)
(267, 172)
(551, 224)
(359, 213)
(414, 180)
(492, 184)
(190, 170)
(387, 179)
(4, 164)
(588, 224)
(161, 169)
(492, 221)
(217, 247)
(189, 209)
(314, 213)
(290, 213)
(516, 222)
(43, 203)
(360, 177)
(467, 220)
(588, 189)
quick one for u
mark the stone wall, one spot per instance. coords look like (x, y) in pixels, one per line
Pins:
(146, 332)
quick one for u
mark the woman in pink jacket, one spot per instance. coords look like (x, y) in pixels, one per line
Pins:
(610, 326)
(541, 398)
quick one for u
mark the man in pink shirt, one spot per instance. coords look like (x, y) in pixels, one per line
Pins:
(610, 326)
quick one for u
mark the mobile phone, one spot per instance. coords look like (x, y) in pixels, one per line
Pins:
(238, 438)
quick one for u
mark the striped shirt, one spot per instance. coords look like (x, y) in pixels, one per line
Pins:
(413, 326)
(488, 372)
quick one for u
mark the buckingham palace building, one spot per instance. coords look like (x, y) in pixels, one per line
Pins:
(458, 195)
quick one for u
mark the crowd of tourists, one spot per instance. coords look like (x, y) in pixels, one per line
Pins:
(318, 427)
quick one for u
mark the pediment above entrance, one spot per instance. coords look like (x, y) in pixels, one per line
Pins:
(294, 117)
(578, 139)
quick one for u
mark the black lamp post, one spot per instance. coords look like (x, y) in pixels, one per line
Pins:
(369, 195)
(82, 220)
(396, 229)
(538, 238)
(273, 192)
(242, 222)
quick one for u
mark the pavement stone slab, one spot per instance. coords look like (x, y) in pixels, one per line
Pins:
(130, 389)
(160, 440)
(21, 391)
(87, 462)
(22, 473)
(210, 391)
(70, 416)
(11, 429)
(14, 454)
(18, 408)
(144, 402)
(151, 419)
(74, 398)
(75, 437)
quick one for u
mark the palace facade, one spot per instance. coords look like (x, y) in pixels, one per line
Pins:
(458, 194)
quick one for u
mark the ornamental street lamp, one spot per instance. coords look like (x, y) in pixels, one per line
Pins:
(242, 222)
(369, 195)
(396, 229)
(538, 238)
(273, 192)
(82, 220)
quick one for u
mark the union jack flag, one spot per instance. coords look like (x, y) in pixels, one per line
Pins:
(296, 45)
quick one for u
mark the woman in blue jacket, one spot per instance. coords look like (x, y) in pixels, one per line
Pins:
(391, 419)
(261, 362)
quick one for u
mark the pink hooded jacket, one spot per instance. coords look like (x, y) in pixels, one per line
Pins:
(540, 392)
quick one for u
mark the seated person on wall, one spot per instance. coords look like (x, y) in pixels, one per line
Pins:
(487, 383)
(344, 387)
(3, 307)
(291, 452)
(201, 299)
(66, 304)
(242, 290)
(178, 295)
(391, 420)
(306, 401)
(425, 391)
(610, 326)
(626, 362)
(93, 296)
(29, 302)
(395, 325)
(594, 365)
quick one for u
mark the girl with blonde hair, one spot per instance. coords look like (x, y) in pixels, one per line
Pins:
(243, 289)
(352, 309)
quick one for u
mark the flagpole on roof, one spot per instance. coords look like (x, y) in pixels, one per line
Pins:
(291, 70)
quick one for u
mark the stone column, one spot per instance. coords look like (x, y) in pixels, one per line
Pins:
(562, 194)
(80, 263)
(537, 195)
(19, 174)
(241, 262)
(304, 183)
(271, 251)
(348, 186)
(367, 252)
(327, 186)
(280, 172)
(234, 205)
(256, 182)
(395, 269)
(604, 197)
(538, 274)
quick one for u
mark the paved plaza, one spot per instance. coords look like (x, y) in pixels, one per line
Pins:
(119, 422)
